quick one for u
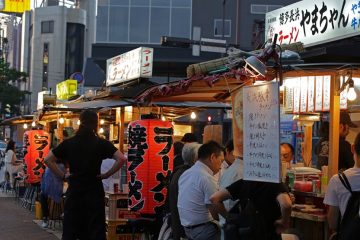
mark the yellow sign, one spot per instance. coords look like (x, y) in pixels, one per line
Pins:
(14, 6)
(66, 89)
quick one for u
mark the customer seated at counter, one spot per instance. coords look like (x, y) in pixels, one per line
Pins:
(337, 195)
(287, 153)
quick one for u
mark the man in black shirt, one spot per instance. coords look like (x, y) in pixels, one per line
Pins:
(270, 199)
(84, 211)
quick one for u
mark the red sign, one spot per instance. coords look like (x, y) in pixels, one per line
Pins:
(150, 151)
(37, 143)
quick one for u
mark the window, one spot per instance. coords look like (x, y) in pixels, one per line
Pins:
(218, 25)
(45, 65)
(262, 9)
(47, 27)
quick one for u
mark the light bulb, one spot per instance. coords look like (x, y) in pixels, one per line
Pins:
(193, 115)
(61, 120)
(78, 122)
(33, 124)
(102, 121)
(351, 94)
(163, 118)
(101, 130)
(209, 118)
(25, 126)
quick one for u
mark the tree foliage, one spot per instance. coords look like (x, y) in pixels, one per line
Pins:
(10, 94)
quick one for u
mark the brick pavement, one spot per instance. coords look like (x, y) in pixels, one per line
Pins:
(17, 223)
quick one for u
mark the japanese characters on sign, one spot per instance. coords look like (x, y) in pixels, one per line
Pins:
(137, 63)
(314, 22)
(150, 153)
(261, 116)
(36, 144)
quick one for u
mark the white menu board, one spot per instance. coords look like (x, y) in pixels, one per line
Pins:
(326, 92)
(296, 100)
(343, 94)
(261, 114)
(310, 94)
(303, 94)
(318, 93)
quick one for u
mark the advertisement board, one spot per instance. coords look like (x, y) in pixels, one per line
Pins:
(14, 6)
(66, 89)
(313, 22)
(137, 63)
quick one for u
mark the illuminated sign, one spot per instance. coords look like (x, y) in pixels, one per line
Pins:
(314, 22)
(66, 89)
(14, 6)
(137, 63)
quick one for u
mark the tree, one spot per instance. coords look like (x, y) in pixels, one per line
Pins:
(9, 94)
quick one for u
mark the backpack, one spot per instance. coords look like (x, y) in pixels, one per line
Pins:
(350, 222)
(245, 222)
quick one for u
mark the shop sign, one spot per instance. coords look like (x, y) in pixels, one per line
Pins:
(310, 94)
(36, 147)
(314, 23)
(137, 63)
(150, 154)
(14, 6)
(261, 117)
(66, 89)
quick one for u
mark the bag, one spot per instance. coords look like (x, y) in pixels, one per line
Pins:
(350, 222)
(165, 231)
(245, 222)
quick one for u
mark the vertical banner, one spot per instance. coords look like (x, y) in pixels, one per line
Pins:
(237, 121)
(311, 94)
(37, 143)
(261, 114)
(319, 93)
(150, 154)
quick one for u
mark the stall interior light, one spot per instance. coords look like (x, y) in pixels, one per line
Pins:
(61, 120)
(33, 124)
(102, 121)
(78, 122)
(193, 115)
(163, 118)
(25, 126)
(101, 130)
(209, 118)
(351, 94)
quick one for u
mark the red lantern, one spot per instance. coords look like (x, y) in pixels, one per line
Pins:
(150, 149)
(37, 143)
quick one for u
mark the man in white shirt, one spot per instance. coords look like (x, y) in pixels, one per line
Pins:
(337, 195)
(229, 158)
(196, 185)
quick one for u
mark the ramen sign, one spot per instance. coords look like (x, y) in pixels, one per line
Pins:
(135, 64)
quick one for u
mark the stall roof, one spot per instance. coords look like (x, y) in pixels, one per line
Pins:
(18, 120)
(96, 104)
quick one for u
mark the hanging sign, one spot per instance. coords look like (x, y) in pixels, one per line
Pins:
(150, 148)
(261, 114)
(313, 22)
(137, 63)
(37, 143)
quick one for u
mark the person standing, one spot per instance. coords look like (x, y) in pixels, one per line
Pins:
(337, 195)
(345, 159)
(11, 164)
(196, 185)
(189, 155)
(84, 210)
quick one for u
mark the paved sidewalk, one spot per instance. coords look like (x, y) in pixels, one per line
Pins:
(17, 223)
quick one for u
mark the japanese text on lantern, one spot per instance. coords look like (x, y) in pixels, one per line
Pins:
(261, 133)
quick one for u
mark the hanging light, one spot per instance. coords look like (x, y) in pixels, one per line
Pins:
(61, 120)
(78, 122)
(102, 121)
(33, 124)
(351, 94)
(193, 115)
(209, 118)
(163, 118)
(101, 130)
(25, 126)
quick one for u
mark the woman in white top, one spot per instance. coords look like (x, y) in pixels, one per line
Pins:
(11, 164)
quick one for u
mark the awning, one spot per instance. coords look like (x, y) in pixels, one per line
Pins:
(94, 105)
(18, 120)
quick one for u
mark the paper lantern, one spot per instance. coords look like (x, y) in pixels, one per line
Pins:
(36, 145)
(150, 149)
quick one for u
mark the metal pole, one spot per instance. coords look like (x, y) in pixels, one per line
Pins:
(223, 20)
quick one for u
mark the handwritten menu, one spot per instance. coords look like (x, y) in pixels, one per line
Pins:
(310, 94)
(261, 116)
(318, 92)
(343, 94)
(296, 95)
(303, 94)
(326, 92)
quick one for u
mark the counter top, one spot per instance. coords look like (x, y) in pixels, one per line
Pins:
(309, 216)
